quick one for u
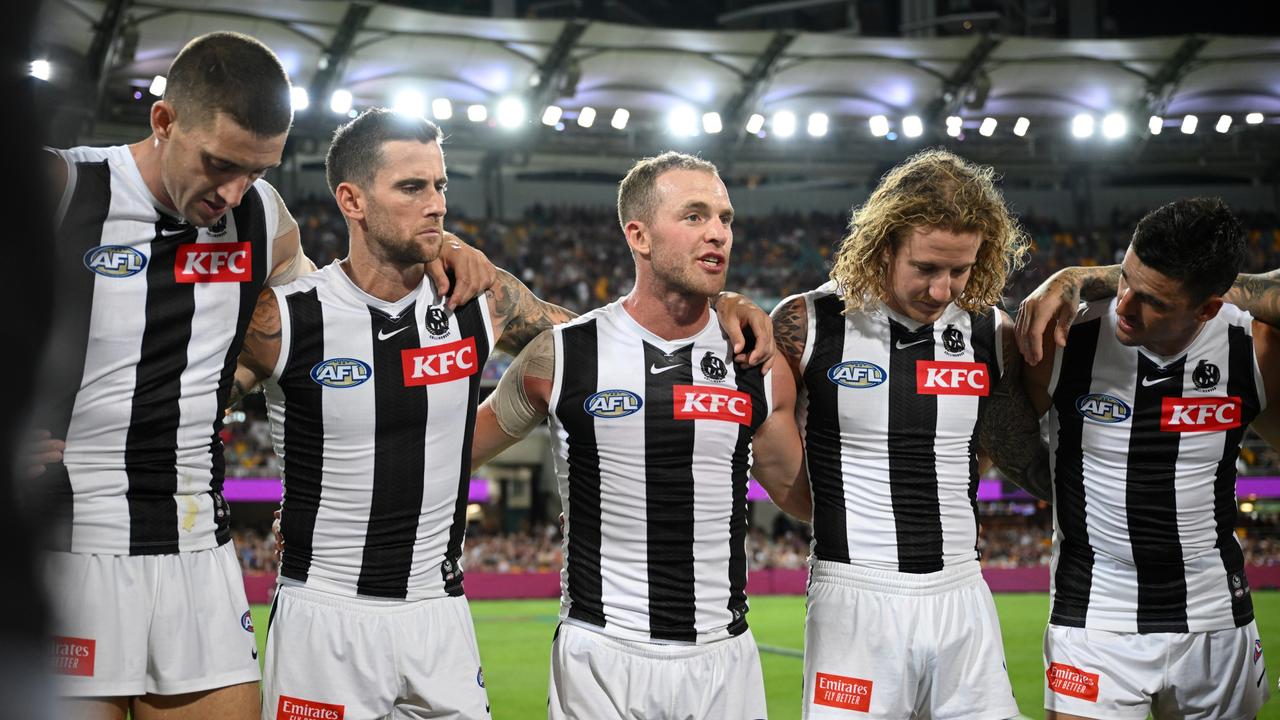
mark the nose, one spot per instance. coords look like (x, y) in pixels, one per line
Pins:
(233, 191)
(1125, 303)
(940, 289)
(436, 205)
(719, 233)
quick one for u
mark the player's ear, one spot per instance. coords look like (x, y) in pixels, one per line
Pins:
(351, 200)
(638, 237)
(1209, 309)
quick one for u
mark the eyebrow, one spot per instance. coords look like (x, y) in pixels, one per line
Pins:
(1143, 296)
(702, 207)
(238, 166)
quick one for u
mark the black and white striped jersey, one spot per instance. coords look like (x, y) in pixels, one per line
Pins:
(373, 407)
(889, 411)
(142, 354)
(1144, 450)
(652, 442)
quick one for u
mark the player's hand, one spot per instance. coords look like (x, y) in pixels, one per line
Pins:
(472, 271)
(39, 452)
(1053, 303)
(275, 531)
(740, 317)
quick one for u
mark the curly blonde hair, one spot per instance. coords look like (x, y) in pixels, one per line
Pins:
(939, 190)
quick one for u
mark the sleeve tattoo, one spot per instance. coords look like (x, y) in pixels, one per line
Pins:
(1010, 433)
(1259, 295)
(791, 328)
(520, 313)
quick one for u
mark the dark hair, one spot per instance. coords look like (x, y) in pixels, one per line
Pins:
(231, 73)
(356, 151)
(1197, 242)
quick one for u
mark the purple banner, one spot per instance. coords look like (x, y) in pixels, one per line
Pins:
(268, 490)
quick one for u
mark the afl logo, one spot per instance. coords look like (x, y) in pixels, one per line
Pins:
(341, 372)
(1102, 408)
(857, 374)
(115, 261)
(613, 403)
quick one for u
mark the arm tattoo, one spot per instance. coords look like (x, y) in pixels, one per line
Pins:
(791, 328)
(1259, 295)
(238, 393)
(1009, 431)
(1097, 283)
(520, 313)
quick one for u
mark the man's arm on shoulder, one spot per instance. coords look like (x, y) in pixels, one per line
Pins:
(738, 317)
(1266, 346)
(1009, 429)
(519, 315)
(1258, 294)
(791, 332)
(518, 404)
(778, 453)
(1055, 303)
(261, 349)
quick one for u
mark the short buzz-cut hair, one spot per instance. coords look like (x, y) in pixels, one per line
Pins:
(356, 151)
(637, 193)
(231, 73)
(1197, 242)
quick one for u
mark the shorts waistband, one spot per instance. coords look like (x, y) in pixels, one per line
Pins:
(362, 604)
(895, 583)
(659, 651)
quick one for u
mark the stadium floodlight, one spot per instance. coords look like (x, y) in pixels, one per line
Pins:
(1155, 124)
(1189, 124)
(818, 124)
(340, 101)
(441, 108)
(1021, 126)
(410, 102)
(1224, 124)
(586, 117)
(298, 98)
(955, 121)
(683, 121)
(879, 125)
(755, 123)
(784, 123)
(912, 126)
(988, 127)
(477, 113)
(1253, 118)
(620, 118)
(711, 123)
(158, 84)
(510, 112)
(40, 69)
(1082, 125)
(551, 115)
(1114, 126)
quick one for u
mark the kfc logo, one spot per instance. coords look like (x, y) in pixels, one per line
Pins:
(73, 656)
(952, 378)
(1072, 681)
(291, 708)
(1199, 414)
(697, 402)
(213, 262)
(440, 363)
(846, 693)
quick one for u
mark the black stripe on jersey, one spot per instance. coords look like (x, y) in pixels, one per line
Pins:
(399, 447)
(822, 432)
(303, 433)
(1240, 383)
(751, 382)
(668, 472)
(63, 366)
(578, 379)
(470, 324)
(251, 226)
(150, 452)
(984, 339)
(1151, 504)
(913, 475)
(1073, 577)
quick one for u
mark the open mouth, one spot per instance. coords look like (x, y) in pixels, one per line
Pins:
(711, 262)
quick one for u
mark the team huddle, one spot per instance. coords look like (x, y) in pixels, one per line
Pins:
(868, 406)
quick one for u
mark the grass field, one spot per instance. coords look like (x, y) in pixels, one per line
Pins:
(515, 639)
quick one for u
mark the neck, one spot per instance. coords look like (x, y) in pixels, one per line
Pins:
(1175, 347)
(667, 313)
(146, 154)
(380, 277)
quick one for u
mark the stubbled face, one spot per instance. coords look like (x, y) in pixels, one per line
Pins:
(928, 270)
(404, 215)
(691, 233)
(1153, 309)
(207, 168)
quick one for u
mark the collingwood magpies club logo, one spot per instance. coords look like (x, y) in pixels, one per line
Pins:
(437, 322)
(1206, 375)
(218, 228)
(952, 340)
(713, 367)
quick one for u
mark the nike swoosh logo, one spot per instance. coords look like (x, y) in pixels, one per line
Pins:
(384, 336)
(658, 371)
(901, 346)
(1147, 382)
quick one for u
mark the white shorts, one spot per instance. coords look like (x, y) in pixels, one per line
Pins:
(1218, 675)
(360, 658)
(126, 626)
(596, 677)
(900, 645)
